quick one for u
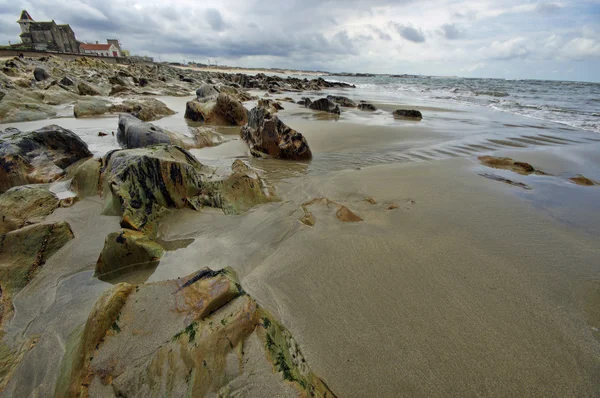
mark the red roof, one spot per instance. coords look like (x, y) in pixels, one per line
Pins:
(100, 47)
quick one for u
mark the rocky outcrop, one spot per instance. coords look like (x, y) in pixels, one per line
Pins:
(212, 337)
(269, 105)
(305, 101)
(39, 156)
(239, 192)
(267, 134)
(325, 105)
(20, 206)
(364, 106)
(509, 164)
(342, 101)
(226, 111)
(22, 106)
(146, 110)
(127, 251)
(207, 92)
(40, 74)
(407, 114)
(133, 133)
(90, 107)
(22, 253)
(56, 95)
(86, 88)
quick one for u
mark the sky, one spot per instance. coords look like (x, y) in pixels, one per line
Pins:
(470, 38)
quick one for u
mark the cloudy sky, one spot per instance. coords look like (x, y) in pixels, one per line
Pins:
(474, 38)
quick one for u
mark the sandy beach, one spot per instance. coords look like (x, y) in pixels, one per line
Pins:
(450, 282)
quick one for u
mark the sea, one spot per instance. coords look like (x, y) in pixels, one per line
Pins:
(576, 104)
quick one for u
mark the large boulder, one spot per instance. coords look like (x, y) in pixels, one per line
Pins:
(407, 114)
(39, 156)
(196, 336)
(127, 251)
(24, 106)
(267, 134)
(22, 253)
(342, 101)
(365, 106)
(226, 111)
(146, 110)
(40, 74)
(25, 205)
(325, 105)
(133, 133)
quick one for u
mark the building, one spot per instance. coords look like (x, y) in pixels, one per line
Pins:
(47, 36)
(103, 50)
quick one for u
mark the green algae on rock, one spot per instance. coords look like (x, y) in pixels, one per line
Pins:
(24, 205)
(211, 336)
(125, 251)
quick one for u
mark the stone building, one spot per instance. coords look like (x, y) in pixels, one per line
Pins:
(47, 36)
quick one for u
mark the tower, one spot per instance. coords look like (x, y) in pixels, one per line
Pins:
(25, 22)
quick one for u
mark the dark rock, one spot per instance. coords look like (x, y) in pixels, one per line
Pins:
(305, 101)
(342, 101)
(325, 105)
(88, 89)
(270, 105)
(2, 94)
(143, 82)
(40, 74)
(407, 114)
(133, 133)
(67, 81)
(39, 156)
(267, 134)
(363, 106)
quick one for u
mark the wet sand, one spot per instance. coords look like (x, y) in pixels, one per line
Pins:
(453, 285)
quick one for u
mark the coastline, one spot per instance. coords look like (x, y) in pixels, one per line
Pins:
(452, 283)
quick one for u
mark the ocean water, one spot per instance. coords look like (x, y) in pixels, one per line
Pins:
(576, 104)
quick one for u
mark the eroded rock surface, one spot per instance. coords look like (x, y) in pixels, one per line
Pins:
(146, 110)
(269, 105)
(39, 156)
(210, 337)
(267, 134)
(325, 105)
(24, 205)
(342, 213)
(133, 133)
(407, 114)
(342, 101)
(509, 164)
(225, 111)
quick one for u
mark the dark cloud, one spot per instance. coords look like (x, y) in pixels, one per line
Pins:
(450, 31)
(215, 20)
(410, 33)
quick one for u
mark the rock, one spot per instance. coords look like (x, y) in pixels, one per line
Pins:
(117, 89)
(325, 105)
(2, 94)
(202, 328)
(86, 88)
(143, 82)
(266, 133)
(407, 114)
(363, 106)
(101, 134)
(342, 101)
(39, 156)
(145, 110)
(17, 106)
(40, 74)
(119, 80)
(509, 164)
(581, 180)
(22, 253)
(90, 107)
(24, 205)
(239, 192)
(393, 206)
(86, 179)
(205, 137)
(207, 92)
(305, 101)
(55, 95)
(127, 251)
(269, 105)
(505, 180)
(133, 133)
(140, 184)
(67, 81)
(342, 213)
(371, 200)
(226, 111)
